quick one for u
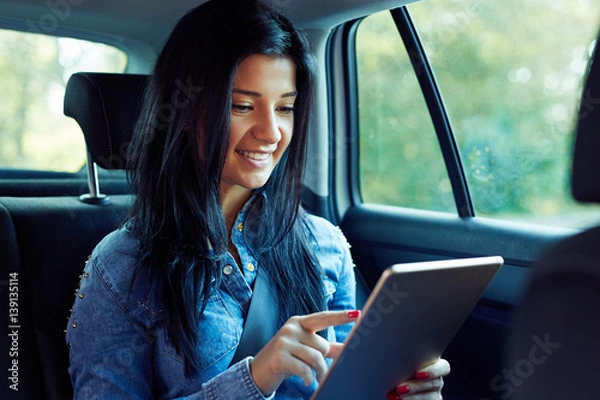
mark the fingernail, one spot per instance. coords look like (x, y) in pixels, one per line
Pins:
(353, 313)
(393, 396)
(404, 389)
(421, 375)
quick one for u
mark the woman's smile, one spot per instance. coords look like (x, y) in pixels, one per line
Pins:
(257, 156)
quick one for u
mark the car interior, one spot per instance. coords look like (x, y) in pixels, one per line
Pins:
(533, 333)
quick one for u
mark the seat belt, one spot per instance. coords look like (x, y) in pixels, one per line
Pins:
(262, 319)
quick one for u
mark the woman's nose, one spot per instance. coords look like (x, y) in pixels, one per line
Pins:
(267, 128)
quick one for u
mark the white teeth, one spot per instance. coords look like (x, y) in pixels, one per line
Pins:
(254, 156)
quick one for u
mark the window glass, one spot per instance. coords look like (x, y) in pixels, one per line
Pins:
(511, 74)
(400, 162)
(34, 69)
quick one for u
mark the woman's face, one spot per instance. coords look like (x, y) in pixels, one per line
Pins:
(262, 121)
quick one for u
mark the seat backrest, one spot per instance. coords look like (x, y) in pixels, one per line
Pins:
(556, 341)
(49, 240)
(46, 240)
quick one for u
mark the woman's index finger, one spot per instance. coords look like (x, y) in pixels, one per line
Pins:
(321, 320)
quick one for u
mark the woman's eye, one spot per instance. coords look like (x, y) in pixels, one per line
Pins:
(241, 108)
(286, 109)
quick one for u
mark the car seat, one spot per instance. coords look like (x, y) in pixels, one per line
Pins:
(555, 345)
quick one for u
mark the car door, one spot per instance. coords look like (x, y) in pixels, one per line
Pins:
(450, 131)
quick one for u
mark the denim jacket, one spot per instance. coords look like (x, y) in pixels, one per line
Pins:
(118, 344)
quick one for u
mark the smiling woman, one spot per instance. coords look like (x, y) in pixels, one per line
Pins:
(218, 191)
(217, 220)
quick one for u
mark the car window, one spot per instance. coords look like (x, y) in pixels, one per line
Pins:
(34, 70)
(511, 75)
(400, 161)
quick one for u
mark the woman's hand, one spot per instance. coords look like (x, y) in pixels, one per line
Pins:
(426, 384)
(297, 350)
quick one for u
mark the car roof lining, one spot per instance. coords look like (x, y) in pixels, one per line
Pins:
(150, 21)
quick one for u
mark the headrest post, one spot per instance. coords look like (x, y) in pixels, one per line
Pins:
(94, 196)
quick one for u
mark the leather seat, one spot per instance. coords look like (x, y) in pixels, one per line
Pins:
(556, 340)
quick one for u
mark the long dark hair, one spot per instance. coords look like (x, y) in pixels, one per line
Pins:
(175, 173)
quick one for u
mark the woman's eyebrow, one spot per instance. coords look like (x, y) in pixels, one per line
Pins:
(256, 94)
(247, 92)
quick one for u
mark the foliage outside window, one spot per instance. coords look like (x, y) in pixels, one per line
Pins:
(511, 82)
(400, 161)
(34, 69)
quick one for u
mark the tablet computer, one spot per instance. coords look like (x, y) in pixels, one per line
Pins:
(407, 322)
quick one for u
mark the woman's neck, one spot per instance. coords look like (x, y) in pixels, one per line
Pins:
(232, 201)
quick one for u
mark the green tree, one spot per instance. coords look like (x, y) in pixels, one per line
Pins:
(28, 66)
(34, 69)
(510, 74)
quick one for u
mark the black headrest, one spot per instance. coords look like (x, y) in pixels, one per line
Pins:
(586, 158)
(106, 107)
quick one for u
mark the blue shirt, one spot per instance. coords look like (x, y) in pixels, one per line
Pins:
(118, 344)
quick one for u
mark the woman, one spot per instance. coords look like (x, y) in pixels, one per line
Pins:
(216, 166)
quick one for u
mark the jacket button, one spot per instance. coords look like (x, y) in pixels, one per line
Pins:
(228, 269)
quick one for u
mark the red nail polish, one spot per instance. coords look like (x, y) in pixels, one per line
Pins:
(421, 375)
(354, 313)
(404, 389)
(393, 396)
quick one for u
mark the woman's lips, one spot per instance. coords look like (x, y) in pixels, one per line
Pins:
(257, 159)
(254, 155)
